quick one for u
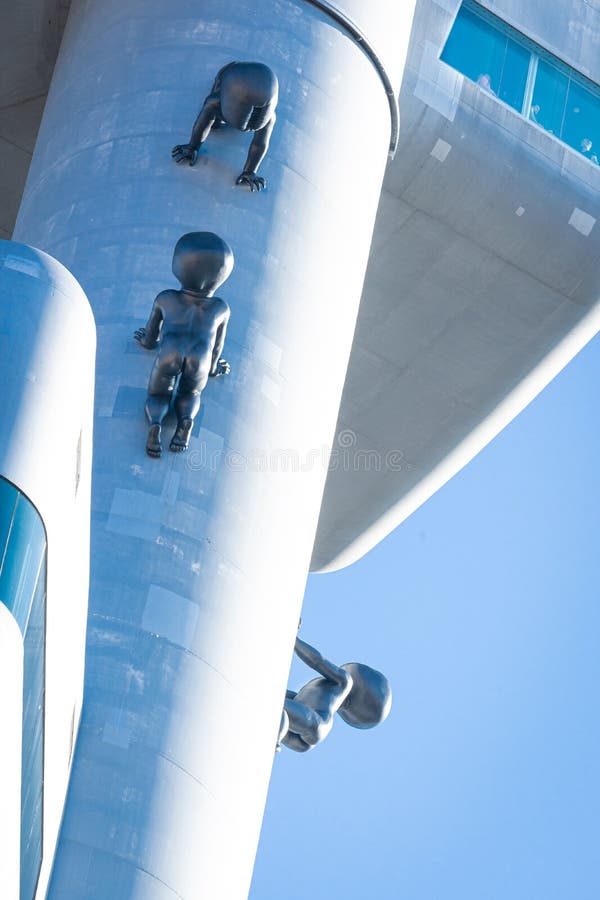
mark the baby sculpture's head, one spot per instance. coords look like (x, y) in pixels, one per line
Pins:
(248, 95)
(370, 698)
(202, 261)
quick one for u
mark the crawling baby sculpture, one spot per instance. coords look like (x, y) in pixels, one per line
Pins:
(244, 95)
(361, 695)
(188, 327)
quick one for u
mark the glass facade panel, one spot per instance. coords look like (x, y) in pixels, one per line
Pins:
(508, 65)
(549, 98)
(581, 128)
(476, 50)
(8, 500)
(514, 75)
(20, 567)
(23, 592)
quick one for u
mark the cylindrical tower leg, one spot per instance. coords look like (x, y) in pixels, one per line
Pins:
(199, 561)
(47, 339)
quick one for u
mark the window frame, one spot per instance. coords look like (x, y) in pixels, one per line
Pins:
(537, 53)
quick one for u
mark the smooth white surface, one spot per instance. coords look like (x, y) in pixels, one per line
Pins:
(46, 369)
(387, 28)
(11, 716)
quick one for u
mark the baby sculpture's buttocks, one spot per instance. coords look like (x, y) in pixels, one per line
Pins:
(244, 95)
(188, 327)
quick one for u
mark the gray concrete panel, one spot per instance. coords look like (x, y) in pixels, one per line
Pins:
(29, 41)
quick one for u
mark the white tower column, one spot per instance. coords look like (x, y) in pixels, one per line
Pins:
(11, 710)
(199, 561)
(47, 342)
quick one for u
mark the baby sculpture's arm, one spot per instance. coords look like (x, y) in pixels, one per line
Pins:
(148, 336)
(216, 369)
(256, 154)
(316, 661)
(200, 131)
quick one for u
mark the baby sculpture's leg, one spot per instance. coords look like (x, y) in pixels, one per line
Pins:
(160, 390)
(284, 727)
(293, 741)
(187, 404)
(303, 727)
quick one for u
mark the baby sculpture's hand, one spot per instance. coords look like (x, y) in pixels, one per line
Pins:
(222, 368)
(140, 336)
(184, 151)
(256, 182)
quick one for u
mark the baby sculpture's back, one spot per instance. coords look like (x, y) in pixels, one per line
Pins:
(323, 695)
(190, 320)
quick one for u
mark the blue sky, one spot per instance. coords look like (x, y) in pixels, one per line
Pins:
(483, 609)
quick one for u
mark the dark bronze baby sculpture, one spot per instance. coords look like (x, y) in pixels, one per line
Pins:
(188, 327)
(244, 95)
(361, 695)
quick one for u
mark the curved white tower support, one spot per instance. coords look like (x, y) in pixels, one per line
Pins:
(11, 716)
(47, 338)
(199, 561)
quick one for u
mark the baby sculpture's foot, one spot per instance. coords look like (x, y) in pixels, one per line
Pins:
(181, 438)
(153, 444)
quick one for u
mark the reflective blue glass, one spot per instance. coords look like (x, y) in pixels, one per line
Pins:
(23, 591)
(8, 500)
(581, 129)
(549, 97)
(476, 50)
(20, 567)
(514, 75)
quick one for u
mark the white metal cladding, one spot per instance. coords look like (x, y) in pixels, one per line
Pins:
(11, 714)
(199, 561)
(47, 338)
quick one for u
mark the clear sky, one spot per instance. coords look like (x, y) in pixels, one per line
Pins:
(484, 610)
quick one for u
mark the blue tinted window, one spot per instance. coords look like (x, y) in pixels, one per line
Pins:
(476, 50)
(514, 75)
(511, 67)
(23, 591)
(549, 98)
(21, 563)
(8, 500)
(581, 129)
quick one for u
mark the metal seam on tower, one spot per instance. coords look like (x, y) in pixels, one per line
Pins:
(354, 31)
